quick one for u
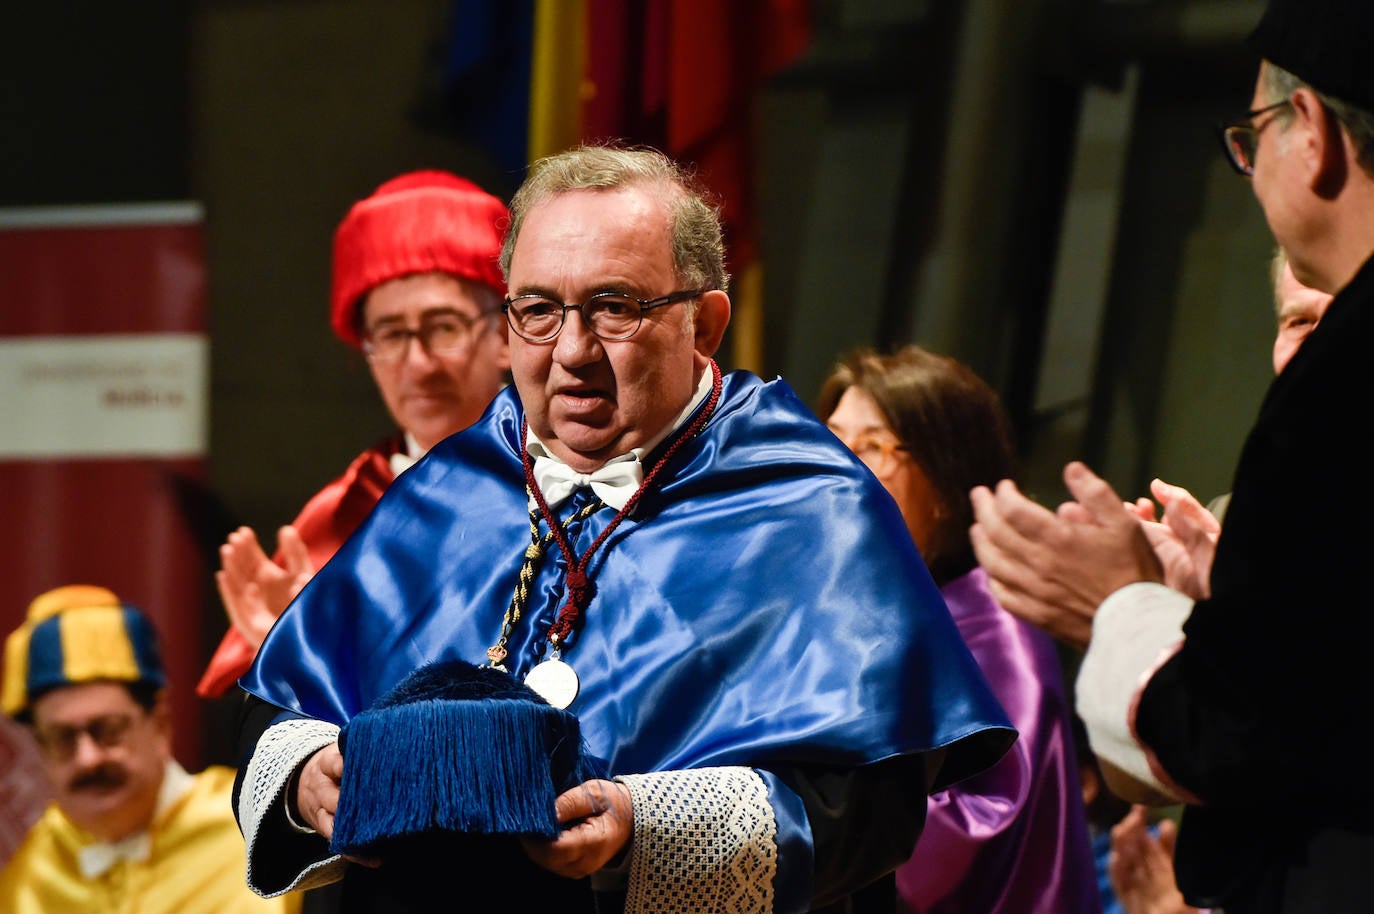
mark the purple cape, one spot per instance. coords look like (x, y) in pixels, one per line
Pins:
(1014, 839)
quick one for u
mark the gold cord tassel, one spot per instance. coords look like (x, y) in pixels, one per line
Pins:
(496, 654)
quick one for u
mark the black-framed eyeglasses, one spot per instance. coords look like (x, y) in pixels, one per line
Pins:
(59, 741)
(611, 316)
(439, 334)
(1240, 138)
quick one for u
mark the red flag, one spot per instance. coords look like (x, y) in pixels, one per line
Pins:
(681, 75)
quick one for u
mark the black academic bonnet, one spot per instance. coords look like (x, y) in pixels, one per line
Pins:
(1328, 44)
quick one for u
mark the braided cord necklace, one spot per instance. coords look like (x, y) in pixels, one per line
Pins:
(553, 679)
(534, 552)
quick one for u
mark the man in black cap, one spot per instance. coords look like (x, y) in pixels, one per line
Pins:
(1244, 705)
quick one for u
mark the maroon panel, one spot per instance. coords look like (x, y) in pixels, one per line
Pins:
(116, 524)
(102, 279)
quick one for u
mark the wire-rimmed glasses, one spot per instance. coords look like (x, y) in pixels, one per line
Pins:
(1240, 138)
(879, 453)
(439, 334)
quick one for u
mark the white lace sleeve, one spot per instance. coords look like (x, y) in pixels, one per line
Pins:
(279, 752)
(705, 842)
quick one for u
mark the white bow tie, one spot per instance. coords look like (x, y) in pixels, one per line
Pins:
(99, 858)
(614, 483)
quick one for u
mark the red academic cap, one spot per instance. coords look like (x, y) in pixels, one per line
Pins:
(420, 222)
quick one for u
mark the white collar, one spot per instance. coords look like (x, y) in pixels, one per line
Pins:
(616, 480)
(99, 857)
(405, 459)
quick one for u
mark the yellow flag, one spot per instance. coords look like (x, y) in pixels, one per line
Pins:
(556, 76)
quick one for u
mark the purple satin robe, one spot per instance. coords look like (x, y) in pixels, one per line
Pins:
(1014, 839)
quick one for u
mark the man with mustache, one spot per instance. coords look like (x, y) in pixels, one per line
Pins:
(129, 829)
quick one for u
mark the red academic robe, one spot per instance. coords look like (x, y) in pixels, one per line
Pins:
(324, 523)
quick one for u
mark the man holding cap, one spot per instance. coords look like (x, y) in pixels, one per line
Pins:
(418, 288)
(129, 829)
(1246, 705)
(687, 562)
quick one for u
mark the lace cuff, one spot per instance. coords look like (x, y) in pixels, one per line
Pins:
(705, 842)
(280, 751)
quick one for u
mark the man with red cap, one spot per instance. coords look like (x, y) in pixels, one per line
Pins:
(1246, 703)
(418, 288)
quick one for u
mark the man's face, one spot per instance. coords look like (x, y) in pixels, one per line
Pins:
(434, 394)
(591, 400)
(1300, 308)
(104, 755)
(1275, 182)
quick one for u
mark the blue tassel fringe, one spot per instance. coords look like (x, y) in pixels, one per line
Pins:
(456, 748)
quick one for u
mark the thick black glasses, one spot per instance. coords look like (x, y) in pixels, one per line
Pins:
(610, 315)
(1240, 139)
(59, 740)
(440, 334)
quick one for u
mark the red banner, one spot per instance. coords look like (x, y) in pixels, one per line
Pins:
(103, 428)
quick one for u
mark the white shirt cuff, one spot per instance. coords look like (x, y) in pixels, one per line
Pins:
(1136, 630)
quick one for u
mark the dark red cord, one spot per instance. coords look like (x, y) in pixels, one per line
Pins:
(579, 584)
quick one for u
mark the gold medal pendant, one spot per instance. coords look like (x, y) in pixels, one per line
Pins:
(555, 681)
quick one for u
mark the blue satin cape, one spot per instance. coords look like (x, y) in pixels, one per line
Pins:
(763, 606)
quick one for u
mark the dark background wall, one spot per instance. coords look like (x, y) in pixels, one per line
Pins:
(1032, 186)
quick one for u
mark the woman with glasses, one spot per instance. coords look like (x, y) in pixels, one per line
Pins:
(1014, 838)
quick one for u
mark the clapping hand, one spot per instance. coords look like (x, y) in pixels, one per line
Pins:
(255, 589)
(1054, 568)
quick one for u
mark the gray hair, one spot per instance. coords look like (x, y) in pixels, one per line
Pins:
(698, 247)
(1279, 84)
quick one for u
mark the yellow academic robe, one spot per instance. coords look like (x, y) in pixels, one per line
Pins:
(196, 865)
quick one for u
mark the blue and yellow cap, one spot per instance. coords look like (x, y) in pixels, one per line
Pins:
(77, 634)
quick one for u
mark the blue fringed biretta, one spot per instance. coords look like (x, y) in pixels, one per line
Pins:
(760, 624)
(492, 758)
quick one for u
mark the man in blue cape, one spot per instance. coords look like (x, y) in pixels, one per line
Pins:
(692, 565)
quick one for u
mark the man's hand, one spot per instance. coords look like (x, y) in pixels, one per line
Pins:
(602, 823)
(317, 795)
(317, 790)
(1053, 568)
(255, 589)
(1194, 530)
(1141, 866)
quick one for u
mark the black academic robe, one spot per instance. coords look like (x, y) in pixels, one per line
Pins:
(1261, 713)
